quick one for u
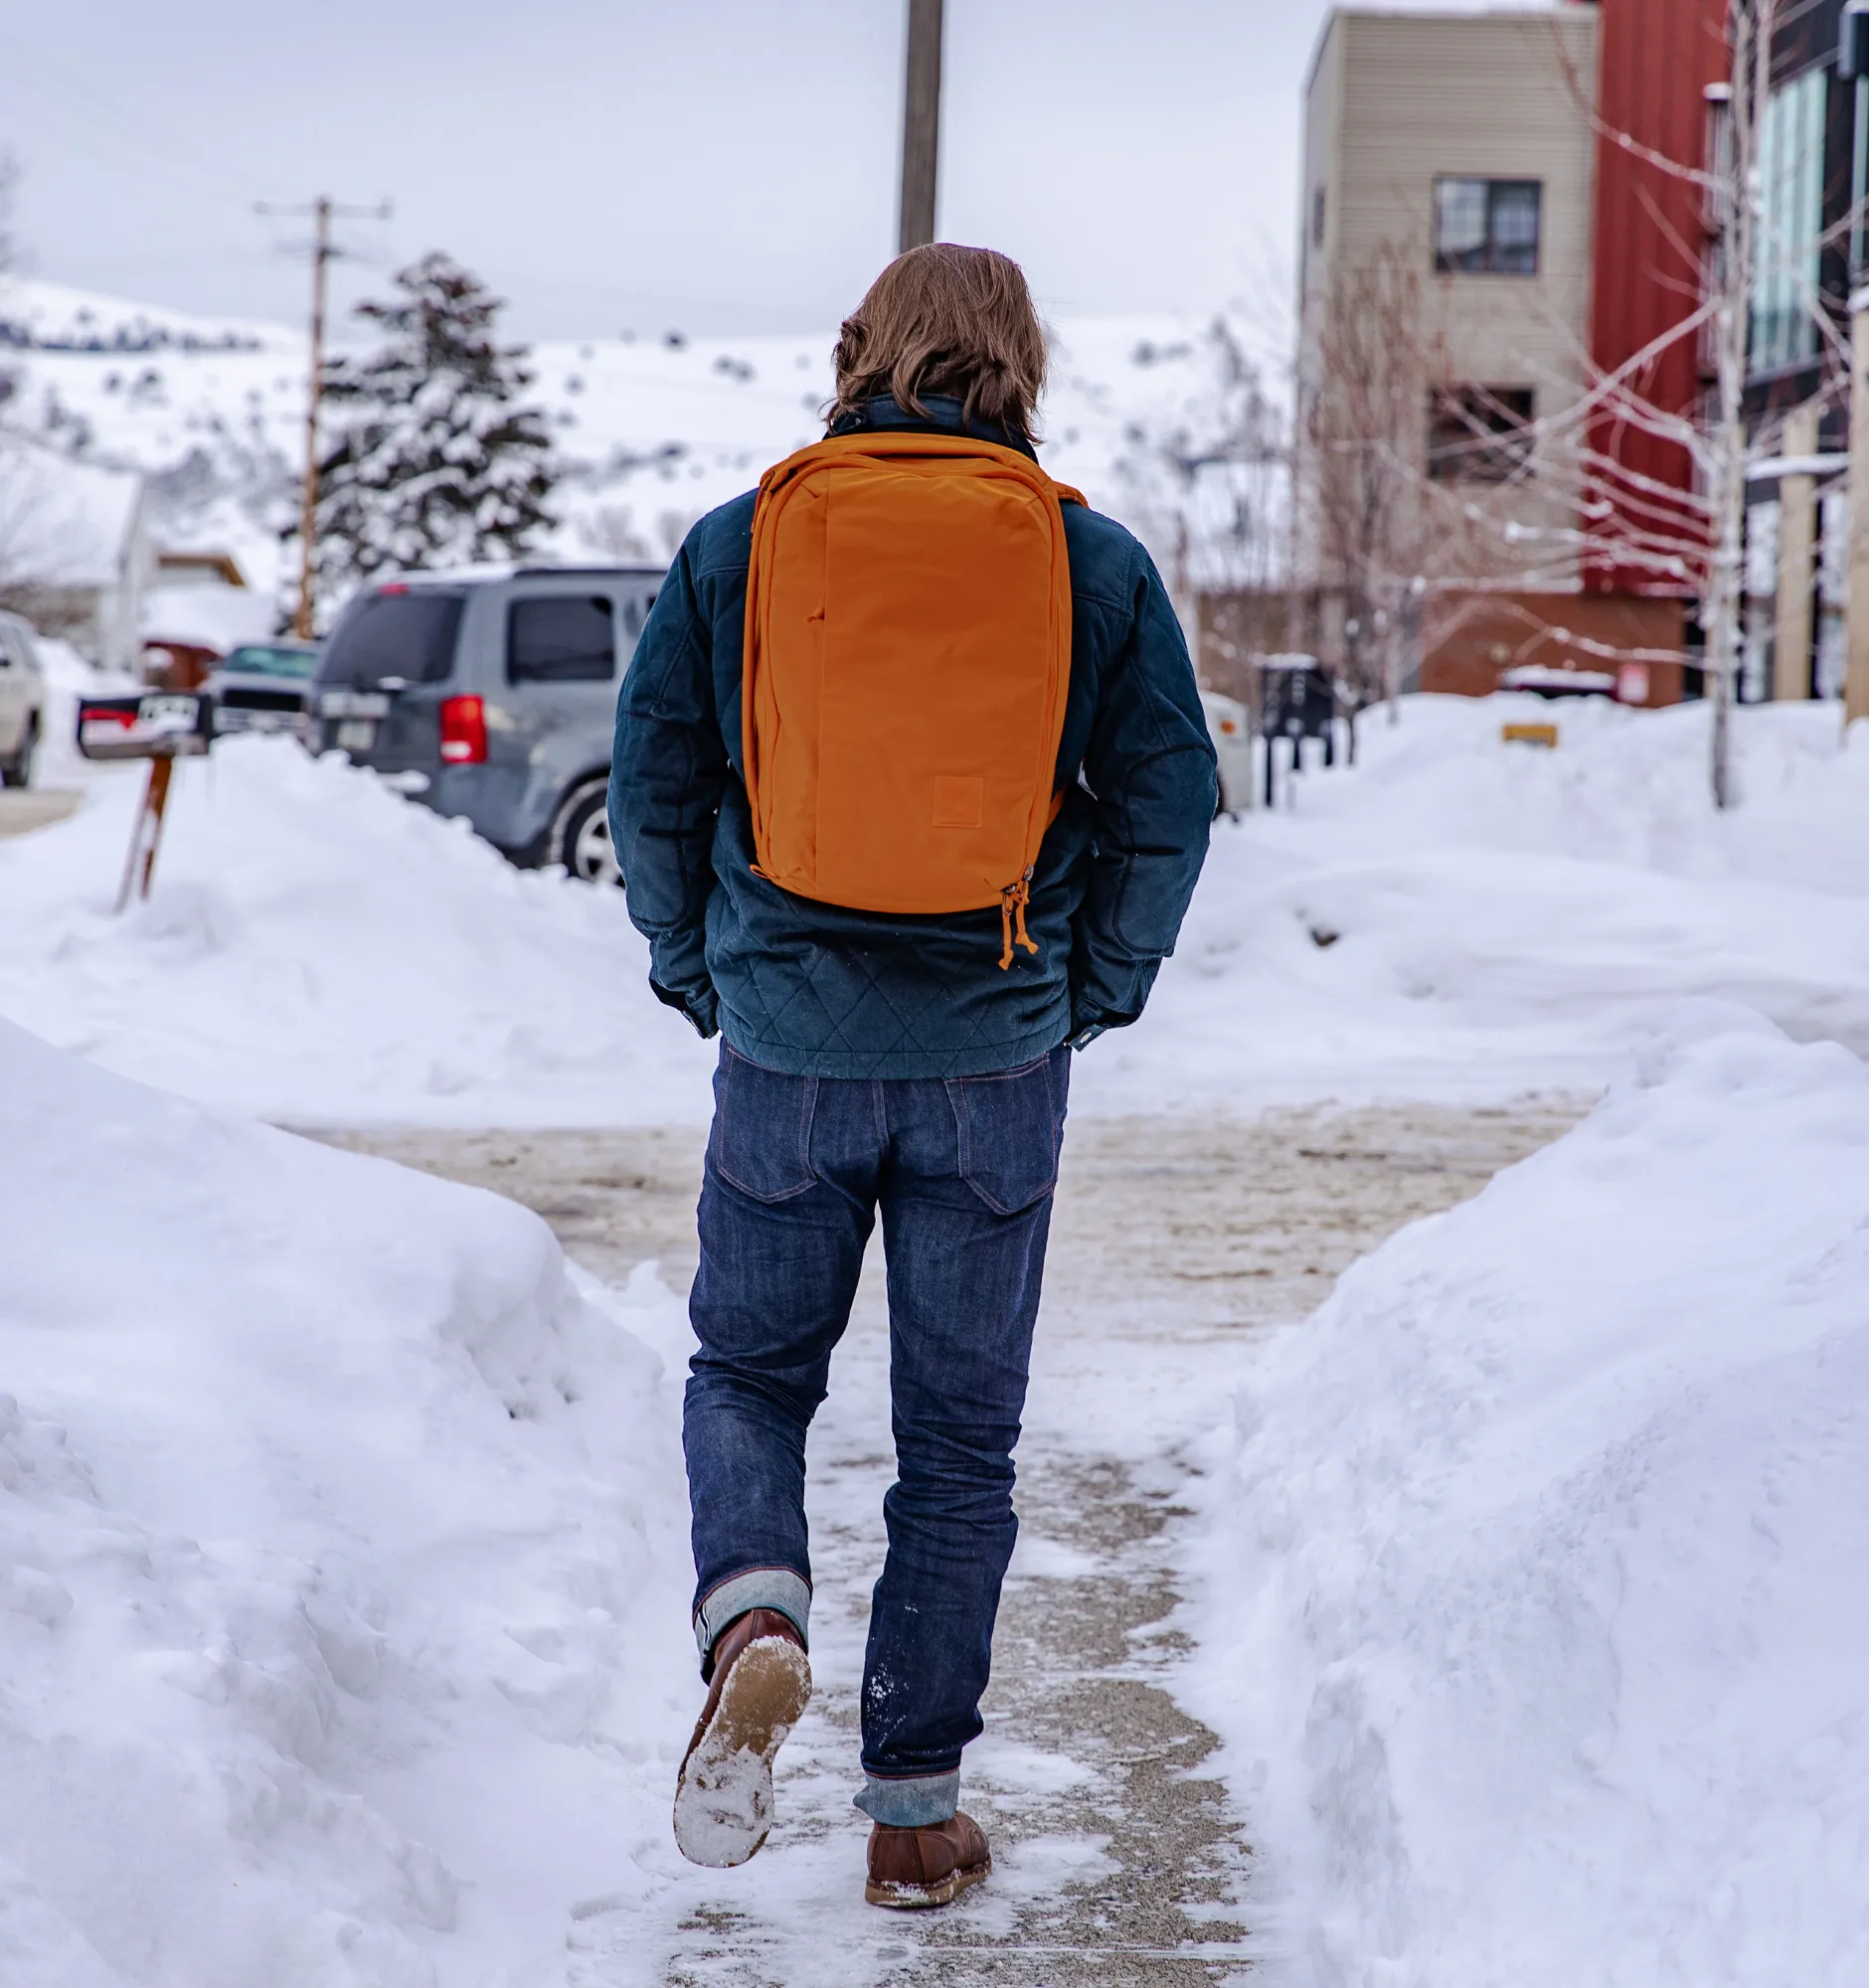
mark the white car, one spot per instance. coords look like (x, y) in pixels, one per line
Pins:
(1230, 725)
(22, 702)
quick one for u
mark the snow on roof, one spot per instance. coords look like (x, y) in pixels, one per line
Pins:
(208, 617)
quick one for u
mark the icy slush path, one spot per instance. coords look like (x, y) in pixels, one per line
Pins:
(1119, 1856)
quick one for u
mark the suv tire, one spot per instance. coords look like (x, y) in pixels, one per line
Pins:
(579, 835)
(18, 771)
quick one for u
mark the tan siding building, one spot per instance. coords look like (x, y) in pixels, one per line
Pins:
(1446, 318)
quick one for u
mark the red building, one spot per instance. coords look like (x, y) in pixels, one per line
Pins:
(1661, 67)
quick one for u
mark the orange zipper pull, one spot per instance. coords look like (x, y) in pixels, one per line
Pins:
(1012, 903)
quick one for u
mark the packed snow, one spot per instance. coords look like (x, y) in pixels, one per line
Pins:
(339, 1526)
(1538, 1584)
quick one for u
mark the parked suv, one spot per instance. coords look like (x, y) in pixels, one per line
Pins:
(22, 702)
(491, 694)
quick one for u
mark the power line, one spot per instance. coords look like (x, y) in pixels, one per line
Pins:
(117, 122)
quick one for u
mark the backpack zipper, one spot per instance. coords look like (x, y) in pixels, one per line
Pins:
(1012, 903)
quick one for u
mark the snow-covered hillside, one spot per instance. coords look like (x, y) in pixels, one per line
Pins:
(1537, 1580)
(654, 431)
(338, 1528)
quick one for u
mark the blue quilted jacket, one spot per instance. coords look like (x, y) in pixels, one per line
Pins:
(815, 990)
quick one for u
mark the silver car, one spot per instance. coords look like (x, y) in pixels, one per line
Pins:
(490, 693)
(22, 702)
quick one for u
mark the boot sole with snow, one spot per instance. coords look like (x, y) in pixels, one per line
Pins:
(920, 1897)
(724, 1801)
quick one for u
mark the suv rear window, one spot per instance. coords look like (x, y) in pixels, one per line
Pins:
(408, 635)
(560, 638)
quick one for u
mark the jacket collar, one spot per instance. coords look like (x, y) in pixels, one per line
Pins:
(946, 416)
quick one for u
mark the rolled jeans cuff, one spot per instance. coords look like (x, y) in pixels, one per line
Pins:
(916, 1802)
(759, 1588)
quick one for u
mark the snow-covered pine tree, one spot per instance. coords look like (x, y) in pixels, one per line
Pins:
(433, 458)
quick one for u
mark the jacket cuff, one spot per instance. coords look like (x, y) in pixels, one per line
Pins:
(702, 1008)
(1112, 992)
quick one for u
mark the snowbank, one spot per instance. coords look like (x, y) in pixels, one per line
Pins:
(1458, 918)
(338, 1530)
(320, 951)
(1540, 1584)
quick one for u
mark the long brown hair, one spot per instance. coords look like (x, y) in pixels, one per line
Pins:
(943, 319)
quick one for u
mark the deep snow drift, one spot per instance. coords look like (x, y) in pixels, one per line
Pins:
(1499, 920)
(320, 951)
(337, 1530)
(1457, 917)
(1539, 1583)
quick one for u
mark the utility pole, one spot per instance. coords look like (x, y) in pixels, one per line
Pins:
(322, 212)
(920, 125)
(1856, 681)
(1736, 199)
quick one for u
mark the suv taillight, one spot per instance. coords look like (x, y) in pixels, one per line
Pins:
(464, 731)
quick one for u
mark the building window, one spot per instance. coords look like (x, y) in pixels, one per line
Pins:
(1487, 228)
(1318, 217)
(1480, 434)
(1784, 330)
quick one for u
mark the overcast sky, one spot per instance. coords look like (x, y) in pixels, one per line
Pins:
(717, 165)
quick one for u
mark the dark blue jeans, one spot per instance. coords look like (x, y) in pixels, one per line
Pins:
(797, 1168)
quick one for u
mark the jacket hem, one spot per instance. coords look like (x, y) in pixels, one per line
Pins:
(976, 1059)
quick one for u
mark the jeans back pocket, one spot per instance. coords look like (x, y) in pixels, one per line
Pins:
(761, 1138)
(1011, 1126)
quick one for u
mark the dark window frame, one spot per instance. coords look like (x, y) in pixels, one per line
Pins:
(1491, 255)
(568, 669)
(1481, 435)
(434, 615)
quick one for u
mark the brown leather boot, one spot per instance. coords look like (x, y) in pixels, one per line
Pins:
(911, 1869)
(761, 1684)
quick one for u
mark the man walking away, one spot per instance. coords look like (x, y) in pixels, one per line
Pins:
(911, 789)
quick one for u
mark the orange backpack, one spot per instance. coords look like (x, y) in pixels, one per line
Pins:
(907, 650)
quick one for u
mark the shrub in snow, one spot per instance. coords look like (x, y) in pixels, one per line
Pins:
(1541, 1587)
(437, 461)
